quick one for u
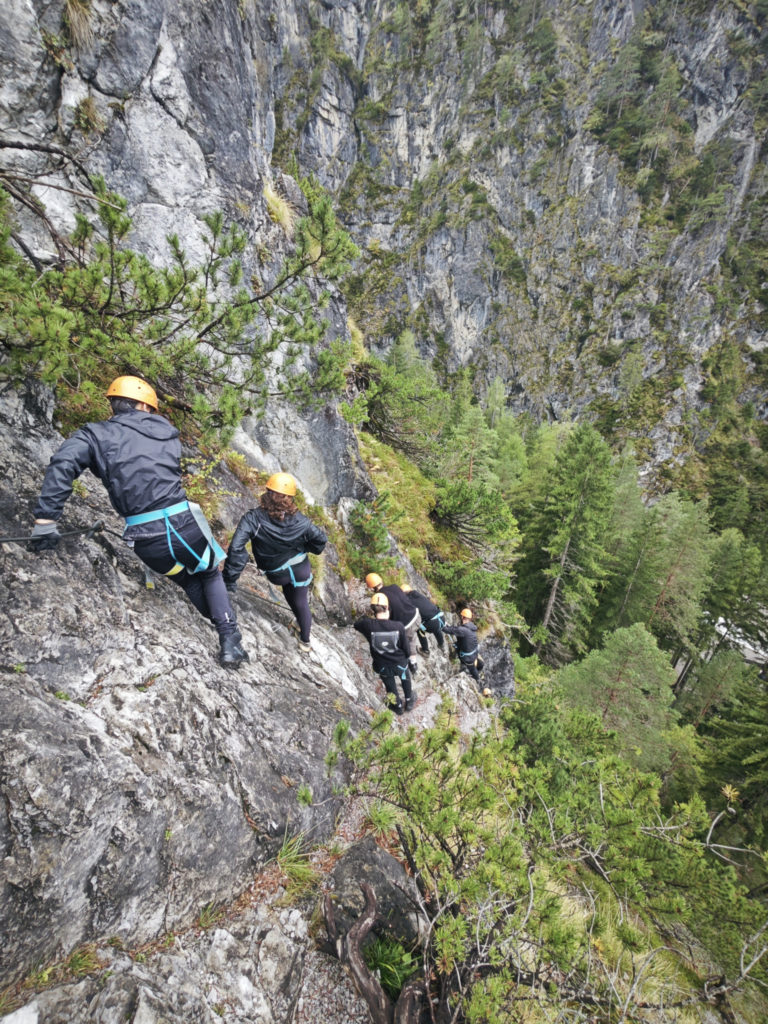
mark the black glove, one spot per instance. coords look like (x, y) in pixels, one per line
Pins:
(44, 537)
(413, 667)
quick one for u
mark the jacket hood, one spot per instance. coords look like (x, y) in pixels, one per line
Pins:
(147, 423)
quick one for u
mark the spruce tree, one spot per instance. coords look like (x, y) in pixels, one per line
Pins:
(628, 683)
(566, 561)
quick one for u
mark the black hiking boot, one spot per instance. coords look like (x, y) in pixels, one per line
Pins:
(239, 641)
(410, 702)
(231, 654)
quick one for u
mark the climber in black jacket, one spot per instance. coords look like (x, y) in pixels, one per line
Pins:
(137, 456)
(432, 619)
(280, 537)
(401, 609)
(466, 644)
(390, 651)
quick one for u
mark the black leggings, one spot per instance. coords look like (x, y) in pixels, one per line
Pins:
(204, 589)
(297, 597)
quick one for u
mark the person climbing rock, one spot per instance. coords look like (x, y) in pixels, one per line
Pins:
(401, 609)
(390, 652)
(280, 537)
(432, 619)
(136, 454)
(466, 644)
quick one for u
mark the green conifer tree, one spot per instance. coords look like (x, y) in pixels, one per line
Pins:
(628, 682)
(565, 561)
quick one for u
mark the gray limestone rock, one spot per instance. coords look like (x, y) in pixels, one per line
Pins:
(397, 898)
(141, 781)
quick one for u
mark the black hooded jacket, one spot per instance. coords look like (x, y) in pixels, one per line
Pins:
(273, 542)
(136, 455)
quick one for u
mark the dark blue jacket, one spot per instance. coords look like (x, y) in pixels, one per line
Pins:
(136, 455)
(273, 542)
(466, 639)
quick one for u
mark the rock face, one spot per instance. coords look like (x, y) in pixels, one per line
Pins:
(141, 781)
(496, 216)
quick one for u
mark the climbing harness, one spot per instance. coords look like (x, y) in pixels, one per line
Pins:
(213, 553)
(468, 656)
(402, 669)
(441, 621)
(88, 531)
(289, 566)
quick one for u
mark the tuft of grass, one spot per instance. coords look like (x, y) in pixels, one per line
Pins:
(9, 1001)
(280, 210)
(393, 963)
(77, 14)
(293, 861)
(87, 117)
(209, 915)
(83, 961)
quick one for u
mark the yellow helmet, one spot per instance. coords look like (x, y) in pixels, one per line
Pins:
(406, 588)
(465, 613)
(373, 580)
(380, 601)
(134, 388)
(282, 483)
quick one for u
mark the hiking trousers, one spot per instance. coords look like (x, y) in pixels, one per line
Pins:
(205, 589)
(390, 676)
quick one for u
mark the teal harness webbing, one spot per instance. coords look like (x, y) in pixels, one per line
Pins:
(440, 618)
(468, 655)
(402, 669)
(213, 553)
(289, 566)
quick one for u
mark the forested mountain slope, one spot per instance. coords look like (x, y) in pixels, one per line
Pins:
(490, 279)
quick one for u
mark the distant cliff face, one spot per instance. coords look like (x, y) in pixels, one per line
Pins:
(569, 197)
(566, 196)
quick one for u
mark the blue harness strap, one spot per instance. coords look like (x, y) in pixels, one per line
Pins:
(440, 621)
(289, 566)
(213, 553)
(402, 669)
(467, 655)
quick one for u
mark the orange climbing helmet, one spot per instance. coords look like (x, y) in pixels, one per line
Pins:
(465, 613)
(373, 580)
(406, 588)
(134, 388)
(282, 483)
(380, 602)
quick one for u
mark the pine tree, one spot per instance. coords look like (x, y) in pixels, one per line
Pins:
(554, 885)
(406, 408)
(566, 561)
(629, 684)
(660, 575)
